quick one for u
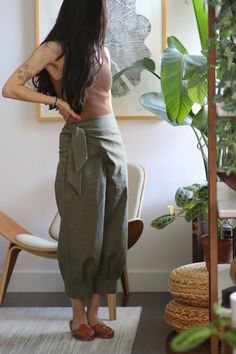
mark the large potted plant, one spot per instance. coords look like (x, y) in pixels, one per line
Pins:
(183, 96)
(183, 80)
(191, 203)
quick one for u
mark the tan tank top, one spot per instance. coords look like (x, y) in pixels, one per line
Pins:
(99, 99)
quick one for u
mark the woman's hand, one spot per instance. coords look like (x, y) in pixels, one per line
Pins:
(66, 111)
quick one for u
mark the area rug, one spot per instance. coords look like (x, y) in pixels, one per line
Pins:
(34, 330)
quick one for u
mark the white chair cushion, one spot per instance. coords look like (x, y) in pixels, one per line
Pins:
(55, 227)
(136, 184)
(35, 241)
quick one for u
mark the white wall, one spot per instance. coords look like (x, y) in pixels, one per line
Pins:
(29, 153)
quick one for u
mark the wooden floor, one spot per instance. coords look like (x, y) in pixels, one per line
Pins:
(153, 334)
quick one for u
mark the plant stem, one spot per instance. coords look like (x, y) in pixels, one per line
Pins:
(152, 72)
(202, 151)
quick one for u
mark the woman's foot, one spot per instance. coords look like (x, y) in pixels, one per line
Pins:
(82, 332)
(79, 326)
(101, 330)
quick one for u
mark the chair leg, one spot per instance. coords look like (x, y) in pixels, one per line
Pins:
(8, 266)
(112, 306)
(125, 280)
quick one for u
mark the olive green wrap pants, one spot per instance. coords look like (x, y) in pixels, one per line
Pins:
(91, 190)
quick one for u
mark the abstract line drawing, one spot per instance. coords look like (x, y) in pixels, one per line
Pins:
(125, 39)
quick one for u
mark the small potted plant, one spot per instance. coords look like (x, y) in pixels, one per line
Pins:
(191, 203)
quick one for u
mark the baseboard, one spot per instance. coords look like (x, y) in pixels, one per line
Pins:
(52, 282)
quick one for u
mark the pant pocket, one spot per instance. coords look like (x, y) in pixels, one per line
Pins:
(59, 185)
(93, 171)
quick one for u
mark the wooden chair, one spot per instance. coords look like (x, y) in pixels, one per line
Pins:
(21, 239)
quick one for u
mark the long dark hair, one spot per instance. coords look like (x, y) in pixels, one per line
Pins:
(80, 28)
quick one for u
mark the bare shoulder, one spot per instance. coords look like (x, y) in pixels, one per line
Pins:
(45, 53)
(52, 49)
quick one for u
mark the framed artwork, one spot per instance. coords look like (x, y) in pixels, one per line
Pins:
(136, 29)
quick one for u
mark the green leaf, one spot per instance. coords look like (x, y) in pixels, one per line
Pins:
(173, 42)
(190, 338)
(174, 88)
(195, 211)
(145, 63)
(196, 65)
(200, 120)
(202, 193)
(202, 22)
(155, 104)
(197, 89)
(164, 220)
(183, 196)
(221, 311)
(230, 337)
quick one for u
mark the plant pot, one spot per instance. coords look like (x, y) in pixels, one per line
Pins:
(225, 250)
(230, 179)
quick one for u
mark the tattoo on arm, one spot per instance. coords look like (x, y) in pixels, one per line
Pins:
(25, 73)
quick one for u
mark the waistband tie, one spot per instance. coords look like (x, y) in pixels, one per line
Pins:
(77, 156)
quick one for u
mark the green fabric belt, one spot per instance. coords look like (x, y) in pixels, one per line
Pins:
(77, 156)
(102, 131)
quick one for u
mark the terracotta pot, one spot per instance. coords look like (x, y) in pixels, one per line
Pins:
(230, 179)
(225, 250)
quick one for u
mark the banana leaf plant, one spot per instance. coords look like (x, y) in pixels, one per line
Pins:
(183, 81)
(184, 87)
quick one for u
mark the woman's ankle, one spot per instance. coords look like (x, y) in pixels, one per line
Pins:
(79, 313)
(79, 319)
(92, 319)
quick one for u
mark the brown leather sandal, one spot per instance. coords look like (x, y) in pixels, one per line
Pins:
(102, 331)
(83, 332)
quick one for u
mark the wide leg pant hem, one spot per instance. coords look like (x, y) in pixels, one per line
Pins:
(105, 286)
(80, 291)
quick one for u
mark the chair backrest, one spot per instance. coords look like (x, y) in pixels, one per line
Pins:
(136, 183)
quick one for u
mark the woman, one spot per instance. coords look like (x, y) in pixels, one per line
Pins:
(71, 71)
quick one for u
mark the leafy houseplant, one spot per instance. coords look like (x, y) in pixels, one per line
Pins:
(192, 203)
(226, 144)
(225, 44)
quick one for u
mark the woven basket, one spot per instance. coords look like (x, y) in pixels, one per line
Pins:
(180, 316)
(189, 284)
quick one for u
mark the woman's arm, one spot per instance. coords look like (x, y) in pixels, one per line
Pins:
(15, 86)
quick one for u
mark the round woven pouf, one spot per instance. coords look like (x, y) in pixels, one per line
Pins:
(189, 284)
(181, 316)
